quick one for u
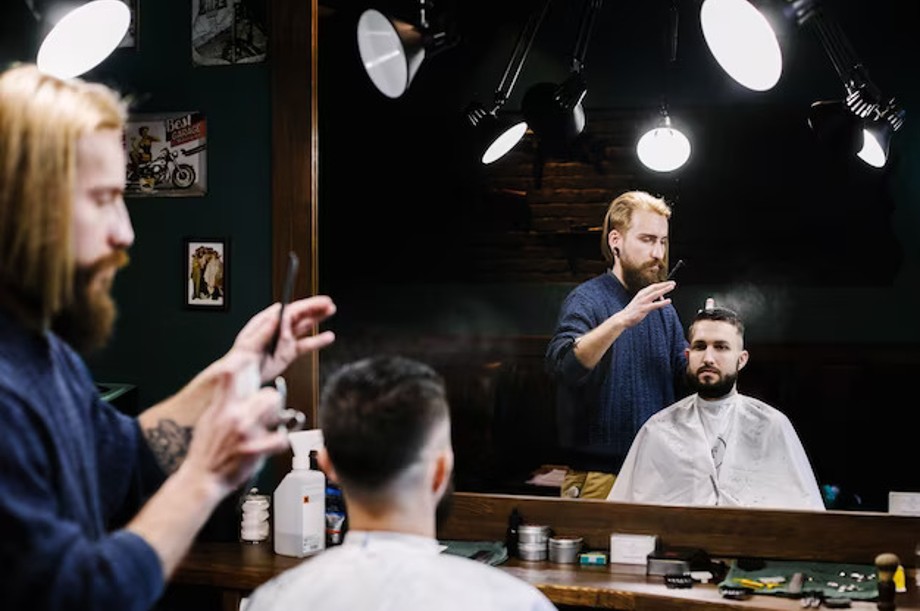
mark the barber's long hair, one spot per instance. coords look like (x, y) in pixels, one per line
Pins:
(620, 213)
(41, 119)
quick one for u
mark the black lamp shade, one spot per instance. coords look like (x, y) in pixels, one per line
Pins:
(554, 113)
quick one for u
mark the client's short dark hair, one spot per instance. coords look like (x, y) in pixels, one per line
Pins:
(718, 313)
(377, 414)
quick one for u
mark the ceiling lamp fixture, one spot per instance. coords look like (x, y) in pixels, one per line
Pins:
(864, 122)
(495, 135)
(665, 148)
(392, 50)
(743, 42)
(554, 112)
(78, 36)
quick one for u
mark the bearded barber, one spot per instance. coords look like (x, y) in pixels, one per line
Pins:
(617, 354)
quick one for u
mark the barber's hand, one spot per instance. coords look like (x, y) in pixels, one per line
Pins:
(296, 338)
(647, 300)
(238, 428)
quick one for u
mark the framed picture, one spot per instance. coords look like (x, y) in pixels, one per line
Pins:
(131, 37)
(206, 273)
(227, 32)
(167, 155)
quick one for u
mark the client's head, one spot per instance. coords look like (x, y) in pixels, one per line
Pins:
(716, 352)
(386, 429)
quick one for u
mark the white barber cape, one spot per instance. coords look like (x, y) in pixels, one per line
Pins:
(734, 451)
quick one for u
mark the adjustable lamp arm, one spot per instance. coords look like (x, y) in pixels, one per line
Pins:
(572, 90)
(864, 99)
(585, 29)
(519, 54)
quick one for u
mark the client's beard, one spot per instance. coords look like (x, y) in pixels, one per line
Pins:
(86, 322)
(712, 391)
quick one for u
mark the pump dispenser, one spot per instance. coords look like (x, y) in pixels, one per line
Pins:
(300, 501)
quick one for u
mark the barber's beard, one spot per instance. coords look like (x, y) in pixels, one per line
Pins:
(86, 322)
(637, 277)
(714, 390)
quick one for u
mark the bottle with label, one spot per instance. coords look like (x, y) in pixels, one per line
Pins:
(336, 516)
(300, 501)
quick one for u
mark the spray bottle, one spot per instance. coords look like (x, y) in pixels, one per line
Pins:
(300, 501)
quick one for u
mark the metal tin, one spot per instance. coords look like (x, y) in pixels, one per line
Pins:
(532, 551)
(564, 549)
(533, 533)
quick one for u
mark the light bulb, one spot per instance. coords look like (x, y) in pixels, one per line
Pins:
(663, 148)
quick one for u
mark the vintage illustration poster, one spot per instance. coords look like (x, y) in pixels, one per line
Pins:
(228, 32)
(206, 273)
(167, 155)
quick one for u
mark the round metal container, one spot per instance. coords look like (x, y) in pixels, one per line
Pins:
(564, 549)
(533, 533)
(532, 551)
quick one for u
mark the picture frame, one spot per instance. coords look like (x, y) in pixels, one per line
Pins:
(166, 154)
(228, 32)
(206, 273)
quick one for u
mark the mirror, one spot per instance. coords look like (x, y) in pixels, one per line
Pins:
(427, 252)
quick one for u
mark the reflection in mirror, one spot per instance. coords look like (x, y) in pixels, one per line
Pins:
(466, 266)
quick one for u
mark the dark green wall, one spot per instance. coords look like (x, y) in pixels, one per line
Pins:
(158, 345)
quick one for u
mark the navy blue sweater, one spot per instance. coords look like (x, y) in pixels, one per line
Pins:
(600, 410)
(70, 467)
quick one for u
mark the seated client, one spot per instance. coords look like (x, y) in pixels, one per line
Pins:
(717, 446)
(386, 428)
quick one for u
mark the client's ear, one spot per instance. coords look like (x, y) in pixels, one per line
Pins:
(325, 464)
(443, 466)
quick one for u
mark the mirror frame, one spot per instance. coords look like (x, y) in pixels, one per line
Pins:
(831, 535)
(294, 171)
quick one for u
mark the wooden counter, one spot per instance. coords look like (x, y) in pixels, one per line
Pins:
(236, 569)
(833, 536)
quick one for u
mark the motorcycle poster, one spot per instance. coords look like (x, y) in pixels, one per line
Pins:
(167, 155)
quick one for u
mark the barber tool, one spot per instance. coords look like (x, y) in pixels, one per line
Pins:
(886, 564)
(678, 581)
(291, 419)
(677, 266)
(795, 584)
(290, 276)
(735, 592)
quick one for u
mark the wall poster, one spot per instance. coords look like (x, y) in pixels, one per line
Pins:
(167, 155)
(228, 32)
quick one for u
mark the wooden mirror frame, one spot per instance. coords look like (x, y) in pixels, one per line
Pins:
(832, 535)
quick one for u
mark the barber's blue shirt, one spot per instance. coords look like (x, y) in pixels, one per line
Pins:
(601, 409)
(71, 468)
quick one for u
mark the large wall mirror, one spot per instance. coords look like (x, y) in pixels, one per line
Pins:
(428, 252)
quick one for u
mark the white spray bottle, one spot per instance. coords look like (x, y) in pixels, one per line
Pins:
(300, 501)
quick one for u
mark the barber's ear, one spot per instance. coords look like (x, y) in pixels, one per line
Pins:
(325, 464)
(613, 241)
(743, 359)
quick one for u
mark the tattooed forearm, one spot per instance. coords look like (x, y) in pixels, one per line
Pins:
(169, 442)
